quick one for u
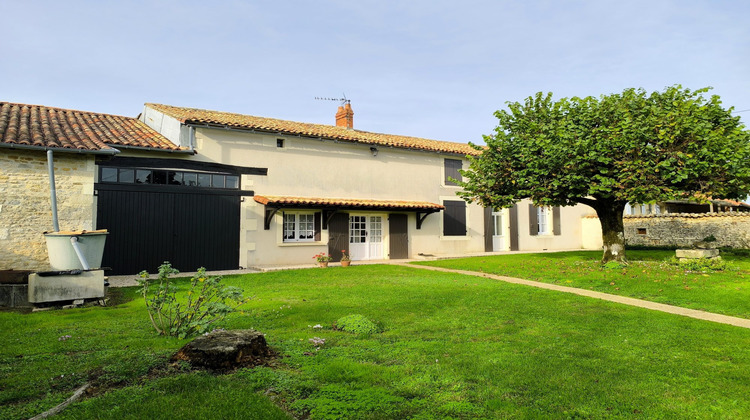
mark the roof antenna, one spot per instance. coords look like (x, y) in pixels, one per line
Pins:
(344, 115)
(343, 100)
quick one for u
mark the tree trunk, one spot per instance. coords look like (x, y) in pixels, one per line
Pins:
(613, 232)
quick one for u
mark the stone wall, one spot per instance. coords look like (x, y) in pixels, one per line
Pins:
(685, 229)
(25, 210)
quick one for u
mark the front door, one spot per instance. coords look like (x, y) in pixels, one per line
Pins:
(366, 237)
(498, 231)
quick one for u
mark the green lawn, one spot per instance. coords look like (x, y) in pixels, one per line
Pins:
(453, 346)
(648, 276)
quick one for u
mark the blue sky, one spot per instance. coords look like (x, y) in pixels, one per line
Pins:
(433, 69)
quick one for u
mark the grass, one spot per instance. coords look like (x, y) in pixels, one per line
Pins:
(648, 276)
(451, 346)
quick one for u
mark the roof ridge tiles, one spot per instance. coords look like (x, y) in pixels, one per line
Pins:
(188, 115)
(57, 108)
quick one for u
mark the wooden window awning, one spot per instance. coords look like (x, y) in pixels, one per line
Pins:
(329, 206)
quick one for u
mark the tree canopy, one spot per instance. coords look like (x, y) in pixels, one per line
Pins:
(604, 152)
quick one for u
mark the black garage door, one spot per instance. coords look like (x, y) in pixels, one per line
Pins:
(156, 210)
(190, 230)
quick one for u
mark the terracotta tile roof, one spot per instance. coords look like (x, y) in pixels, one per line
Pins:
(202, 116)
(719, 201)
(46, 127)
(687, 215)
(345, 202)
(726, 202)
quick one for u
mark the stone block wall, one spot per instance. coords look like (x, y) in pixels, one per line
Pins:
(685, 229)
(25, 209)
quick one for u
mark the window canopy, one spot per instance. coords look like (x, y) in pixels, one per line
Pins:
(332, 205)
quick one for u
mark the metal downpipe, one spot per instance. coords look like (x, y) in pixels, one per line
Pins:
(52, 190)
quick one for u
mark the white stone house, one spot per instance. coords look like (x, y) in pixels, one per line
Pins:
(377, 196)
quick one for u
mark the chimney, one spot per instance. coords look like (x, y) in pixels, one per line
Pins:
(345, 116)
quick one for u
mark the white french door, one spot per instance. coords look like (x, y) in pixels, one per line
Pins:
(366, 237)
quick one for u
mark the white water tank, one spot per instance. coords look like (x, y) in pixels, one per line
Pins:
(62, 256)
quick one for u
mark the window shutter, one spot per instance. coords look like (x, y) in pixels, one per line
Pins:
(338, 235)
(317, 224)
(513, 227)
(451, 171)
(454, 218)
(556, 221)
(533, 221)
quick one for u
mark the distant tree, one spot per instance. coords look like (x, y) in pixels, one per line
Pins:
(605, 152)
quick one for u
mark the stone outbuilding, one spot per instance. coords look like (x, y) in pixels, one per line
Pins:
(77, 139)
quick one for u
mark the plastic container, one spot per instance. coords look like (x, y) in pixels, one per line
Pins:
(62, 256)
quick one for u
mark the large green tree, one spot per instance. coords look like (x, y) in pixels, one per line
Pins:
(604, 152)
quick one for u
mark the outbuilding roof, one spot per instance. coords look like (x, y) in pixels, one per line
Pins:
(37, 126)
(271, 125)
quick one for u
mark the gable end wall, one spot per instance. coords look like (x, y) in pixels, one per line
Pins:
(167, 126)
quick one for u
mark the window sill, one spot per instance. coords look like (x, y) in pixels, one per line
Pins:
(455, 238)
(293, 244)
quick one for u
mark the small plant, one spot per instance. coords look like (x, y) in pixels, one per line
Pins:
(614, 265)
(700, 265)
(317, 342)
(344, 257)
(322, 257)
(356, 324)
(208, 301)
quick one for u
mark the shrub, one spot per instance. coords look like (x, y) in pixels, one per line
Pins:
(356, 324)
(709, 238)
(700, 265)
(207, 302)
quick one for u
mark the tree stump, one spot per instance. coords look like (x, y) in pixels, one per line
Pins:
(225, 350)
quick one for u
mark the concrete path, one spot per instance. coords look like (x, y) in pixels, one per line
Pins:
(692, 313)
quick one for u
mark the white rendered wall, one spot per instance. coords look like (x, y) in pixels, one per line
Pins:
(571, 233)
(327, 169)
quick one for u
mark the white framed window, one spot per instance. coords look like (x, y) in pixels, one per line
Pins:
(299, 227)
(544, 217)
(357, 229)
(642, 209)
(376, 229)
(629, 210)
(497, 223)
